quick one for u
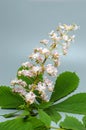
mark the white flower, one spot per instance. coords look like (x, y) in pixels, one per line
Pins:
(56, 62)
(50, 88)
(61, 26)
(48, 82)
(39, 59)
(19, 90)
(30, 97)
(18, 82)
(54, 37)
(41, 87)
(76, 27)
(45, 42)
(38, 50)
(44, 97)
(51, 33)
(51, 70)
(27, 64)
(65, 37)
(19, 73)
(22, 83)
(36, 70)
(68, 27)
(55, 55)
(64, 49)
(45, 51)
(27, 73)
(34, 56)
(14, 82)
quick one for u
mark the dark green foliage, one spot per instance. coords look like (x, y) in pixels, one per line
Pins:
(16, 124)
(74, 104)
(8, 99)
(55, 116)
(44, 117)
(66, 83)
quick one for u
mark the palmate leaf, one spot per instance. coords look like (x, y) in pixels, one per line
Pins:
(66, 83)
(55, 116)
(8, 99)
(16, 124)
(71, 123)
(44, 105)
(31, 123)
(44, 117)
(37, 124)
(74, 104)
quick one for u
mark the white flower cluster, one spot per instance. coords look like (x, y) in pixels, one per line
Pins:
(55, 47)
(18, 82)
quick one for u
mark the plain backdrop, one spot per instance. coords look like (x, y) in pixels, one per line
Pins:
(23, 23)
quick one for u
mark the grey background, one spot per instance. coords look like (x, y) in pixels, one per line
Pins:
(23, 23)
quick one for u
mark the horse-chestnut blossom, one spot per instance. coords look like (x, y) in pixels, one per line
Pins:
(31, 76)
(55, 55)
(27, 73)
(45, 52)
(41, 87)
(44, 97)
(27, 64)
(36, 70)
(30, 97)
(19, 82)
(51, 70)
(19, 90)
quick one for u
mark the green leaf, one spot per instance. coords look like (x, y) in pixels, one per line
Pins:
(72, 123)
(16, 124)
(8, 99)
(55, 116)
(44, 117)
(37, 124)
(66, 83)
(84, 121)
(44, 105)
(74, 104)
(20, 124)
(25, 113)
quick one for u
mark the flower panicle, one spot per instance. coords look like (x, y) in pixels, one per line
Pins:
(57, 45)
